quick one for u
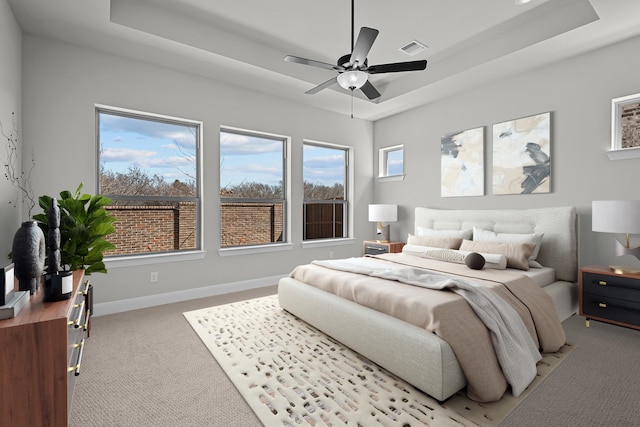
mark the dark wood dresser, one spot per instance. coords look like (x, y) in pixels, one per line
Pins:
(609, 297)
(41, 352)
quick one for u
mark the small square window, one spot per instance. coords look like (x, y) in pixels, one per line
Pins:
(391, 161)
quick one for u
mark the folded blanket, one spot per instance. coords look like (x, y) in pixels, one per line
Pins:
(515, 350)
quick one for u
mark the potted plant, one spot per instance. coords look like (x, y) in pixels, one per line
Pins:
(84, 224)
(57, 285)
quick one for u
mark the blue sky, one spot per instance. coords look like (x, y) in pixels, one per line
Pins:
(247, 158)
(159, 148)
(168, 150)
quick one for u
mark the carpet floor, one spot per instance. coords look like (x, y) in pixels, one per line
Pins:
(147, 368)
(292, 374)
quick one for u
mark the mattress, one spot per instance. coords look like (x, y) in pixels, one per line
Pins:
(541, 276)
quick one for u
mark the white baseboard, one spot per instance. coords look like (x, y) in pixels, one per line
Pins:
(120, 306)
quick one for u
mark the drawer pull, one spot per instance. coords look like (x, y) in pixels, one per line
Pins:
(85, 291)
(602, 283)
(603, 305)
(76, 367)
(86, 320)
(76, 323)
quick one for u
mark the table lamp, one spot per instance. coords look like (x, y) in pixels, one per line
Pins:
(383, 214)
(618, 217)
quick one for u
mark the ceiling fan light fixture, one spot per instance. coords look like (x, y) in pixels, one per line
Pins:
(352, 80)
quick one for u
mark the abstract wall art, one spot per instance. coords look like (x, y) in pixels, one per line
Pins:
(522, 155)
(462, 163)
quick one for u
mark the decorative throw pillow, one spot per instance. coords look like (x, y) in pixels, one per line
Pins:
(494, 261)
(517, 253)
(474, 261)
(448, 255)
(435, 242)
(430, 232)
(489, 236)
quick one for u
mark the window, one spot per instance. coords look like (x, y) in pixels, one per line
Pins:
(391, 161)
(252, 188)
(149, 166)
(325, 203)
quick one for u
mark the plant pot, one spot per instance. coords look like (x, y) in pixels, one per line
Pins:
(57, 286)
(28, 255)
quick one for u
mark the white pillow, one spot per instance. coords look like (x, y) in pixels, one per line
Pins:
(494, 261)
(481, 235)
(430, 232)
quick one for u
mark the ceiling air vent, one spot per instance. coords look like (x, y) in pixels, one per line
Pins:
(413, 48)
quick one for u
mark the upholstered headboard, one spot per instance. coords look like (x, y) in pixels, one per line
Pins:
(559, 248)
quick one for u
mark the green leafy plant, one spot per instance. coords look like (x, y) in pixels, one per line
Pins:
(84, 224)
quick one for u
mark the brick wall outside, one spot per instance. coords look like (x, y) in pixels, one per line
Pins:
(141, 229)
(630, 124)
(251, 223)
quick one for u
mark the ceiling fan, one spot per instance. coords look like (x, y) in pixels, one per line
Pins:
(353, 68)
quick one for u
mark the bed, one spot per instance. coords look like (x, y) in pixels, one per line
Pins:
(414, 353)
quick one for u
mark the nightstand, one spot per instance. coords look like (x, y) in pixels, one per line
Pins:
(373, 247)
(609, 297)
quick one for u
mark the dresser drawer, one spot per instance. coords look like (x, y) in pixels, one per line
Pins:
(611, 286)
(375, 249)
(611, 308)
(77, 327)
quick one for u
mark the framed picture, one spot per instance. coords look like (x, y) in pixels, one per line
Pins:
(462, 163)
(522, 155)
(7, 284)
(625, 126)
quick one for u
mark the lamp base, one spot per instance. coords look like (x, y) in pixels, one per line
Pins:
(618, 269)
(385, 230)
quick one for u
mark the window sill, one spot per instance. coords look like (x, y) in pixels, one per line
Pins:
(134, 260)
(327, 242)
(624, 153)
(248, 250)
(391, 178)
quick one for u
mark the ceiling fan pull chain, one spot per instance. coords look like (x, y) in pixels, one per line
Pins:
(352, 103)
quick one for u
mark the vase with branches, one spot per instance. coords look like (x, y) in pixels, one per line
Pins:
(28, 248)
(14, 172)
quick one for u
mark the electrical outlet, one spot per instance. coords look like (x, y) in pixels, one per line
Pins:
(153, 277)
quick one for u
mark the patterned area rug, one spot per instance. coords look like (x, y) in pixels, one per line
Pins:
(291, 374)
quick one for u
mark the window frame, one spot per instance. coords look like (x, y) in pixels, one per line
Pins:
(383, 163)
(124, 260)
(285, 243)
(346, 203)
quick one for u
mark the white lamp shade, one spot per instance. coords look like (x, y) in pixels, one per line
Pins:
(352, 80)
(616, 216)
(383, 213)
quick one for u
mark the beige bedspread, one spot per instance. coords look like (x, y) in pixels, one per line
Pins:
(448, 315)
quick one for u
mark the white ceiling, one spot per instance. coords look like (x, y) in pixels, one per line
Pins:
(243, 42)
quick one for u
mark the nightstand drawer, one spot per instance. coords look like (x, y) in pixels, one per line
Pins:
(375, 249)
(611, 308)
(611, 286)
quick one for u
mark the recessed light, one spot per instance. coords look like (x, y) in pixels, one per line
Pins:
(521, 2)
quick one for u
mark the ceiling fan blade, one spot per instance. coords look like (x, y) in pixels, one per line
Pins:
(304, 61)
(363, 45)
(321, 86)
(370, 91)
(397, 67)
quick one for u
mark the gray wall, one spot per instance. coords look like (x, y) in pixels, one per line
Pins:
(578, 93)
(63, 82)
(10, 102)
